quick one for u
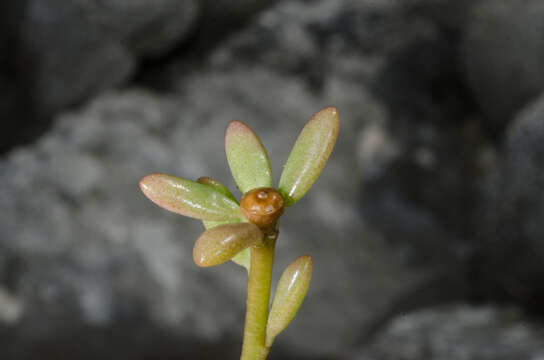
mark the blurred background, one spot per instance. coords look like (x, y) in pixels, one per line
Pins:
(426, 226)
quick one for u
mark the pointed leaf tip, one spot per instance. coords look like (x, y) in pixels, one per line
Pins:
(189, 198)
(309, 155)
(247, 157)
(290, 293)
(221, 243)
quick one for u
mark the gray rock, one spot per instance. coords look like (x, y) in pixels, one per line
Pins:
(457, 333)
(510, 263)
(89, 247)
(220, 17)
(504, 57)
(80, 48)
(83, 249)
(58, 53)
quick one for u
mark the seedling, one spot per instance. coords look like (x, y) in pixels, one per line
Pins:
(246, 232)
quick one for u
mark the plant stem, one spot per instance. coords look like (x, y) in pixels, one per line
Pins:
(258, 297)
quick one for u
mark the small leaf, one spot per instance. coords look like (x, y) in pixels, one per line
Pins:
(189, 198)
(309, 155)
(290, 292)
(243, 258)
(216, 185)
(221, 243)
(247, 158)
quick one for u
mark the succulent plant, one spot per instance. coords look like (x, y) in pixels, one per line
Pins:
(246, 232)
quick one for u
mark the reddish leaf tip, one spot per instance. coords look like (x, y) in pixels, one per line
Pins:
(146, 181)
(332, 109)
(234, 127)
(306, 258)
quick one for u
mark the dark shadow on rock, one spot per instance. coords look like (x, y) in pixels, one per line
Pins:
(21, 120)
(217, 20)
(509, 266)
(425, 198)
(58, 54)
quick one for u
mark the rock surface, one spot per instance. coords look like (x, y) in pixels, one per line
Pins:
(504, 57)
(510, 263)
(62, 52)
(75, 49)
(80, 242)
(457, 333)
(75, 210)
(393, 223)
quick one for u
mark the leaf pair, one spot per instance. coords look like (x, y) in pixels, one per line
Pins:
(250, 165)
(211, 201)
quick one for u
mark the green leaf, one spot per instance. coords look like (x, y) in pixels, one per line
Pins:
(221, 243)
(247, 158)
(189, 198)
(216, 185)
(243, 258)
(208, 224)
(290, 292)
(309, 155)
(211, 224)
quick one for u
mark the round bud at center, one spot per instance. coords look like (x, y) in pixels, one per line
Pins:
(262, 206)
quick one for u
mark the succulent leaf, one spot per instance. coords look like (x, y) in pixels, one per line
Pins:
(211, 224)
(290, 292)
(189, 198)
(247, 158)
(243, 258)
(221, 243)
(309, 154)
(216, 185)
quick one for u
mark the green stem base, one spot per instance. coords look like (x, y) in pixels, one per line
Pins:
(258, 297)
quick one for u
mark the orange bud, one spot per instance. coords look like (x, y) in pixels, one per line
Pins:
(262, 206)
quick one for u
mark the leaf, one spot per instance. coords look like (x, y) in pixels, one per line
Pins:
(247, 158)
(309, 154)
(290, 292)
(211, 224)
(221, 243)
(205, 180)
(243, 258)
(189, 198)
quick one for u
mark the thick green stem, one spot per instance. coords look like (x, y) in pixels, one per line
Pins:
(258, 297)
